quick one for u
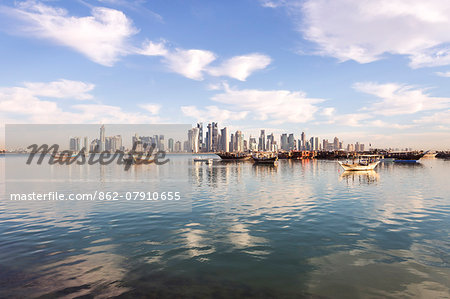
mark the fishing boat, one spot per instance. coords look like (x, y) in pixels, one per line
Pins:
(406, 157)
(239, 156)
(265, 158)
(443, 155)
(429, 155)
(363, 163)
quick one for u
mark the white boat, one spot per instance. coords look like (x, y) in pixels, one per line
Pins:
(364, 163)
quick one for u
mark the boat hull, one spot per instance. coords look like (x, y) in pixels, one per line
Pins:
(270, 161)
(231, 157)
(358, 167)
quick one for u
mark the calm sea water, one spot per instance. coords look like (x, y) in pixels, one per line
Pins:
(302, 229)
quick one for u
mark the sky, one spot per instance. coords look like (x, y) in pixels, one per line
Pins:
(374, 71)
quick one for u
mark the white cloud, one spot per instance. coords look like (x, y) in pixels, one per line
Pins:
(382, 124)
(152, 108)
(189, 63)
(240, 67)
(102, 36)
(61, 89)
(23, 104)
(443, 74)
(366, 30)
(440, 118)
(329, 111)
(194, 63)
(150, 48)
(399, 99)
(275, 106)
(212, 113)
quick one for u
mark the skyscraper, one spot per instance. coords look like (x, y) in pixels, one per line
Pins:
(224, 142)
(212, 137)
(291, 142)
(284, 142)
(303, 139)
(193, 140)
(102, 138)
(239, 140)
(171, 144)
(200, 136)
(86, 144)
(336, 144)
(262, 141)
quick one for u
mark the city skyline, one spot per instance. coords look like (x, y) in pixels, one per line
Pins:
(21, 136)
(280, 65)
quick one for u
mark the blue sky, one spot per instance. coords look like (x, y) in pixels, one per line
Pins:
(370, 71)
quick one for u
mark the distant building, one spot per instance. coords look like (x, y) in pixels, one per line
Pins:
(177, 148)
(336, 143)
(262, 141)
(239, 141)
(224, 141)
(212, 137)
(201, 145)
(253, 145)
(102, 138)
(303, 141)
(193, 140)
(284, 142)
(75, 144)
(170, 145)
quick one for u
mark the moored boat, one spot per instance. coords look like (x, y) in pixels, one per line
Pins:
(406, 157)
(265, 158)
(239, 156)
(364, 163)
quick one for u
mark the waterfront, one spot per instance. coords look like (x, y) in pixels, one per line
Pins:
(303, 228)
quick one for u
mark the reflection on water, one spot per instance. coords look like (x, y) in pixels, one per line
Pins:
(302, 229)
(361, 177)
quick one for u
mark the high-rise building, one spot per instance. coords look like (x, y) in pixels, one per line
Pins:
(316, 144)
(311, 144)
(291, 142)
(325, 145)
(284, 142)
(232, 143)
(171, 145)
(271, 143)
(102, 138)
(193, 140)
(162, 143)
(86, 144)
(262, 141)
(239, 140)
(177, 146)
(303, 139)
(212, 137)
(224, 142)
(253, 145)
(336, 144)
(200, 137)
(74, 144)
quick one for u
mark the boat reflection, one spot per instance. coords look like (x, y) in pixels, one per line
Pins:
(361, 177)
(264, 169)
